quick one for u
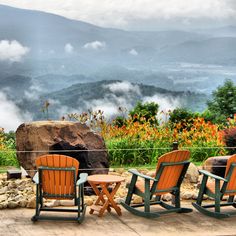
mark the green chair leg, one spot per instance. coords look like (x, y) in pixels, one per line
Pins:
(178, 206)
(147, 196)
(202, 190)
(131, 190)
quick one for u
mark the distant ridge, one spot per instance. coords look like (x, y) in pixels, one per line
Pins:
(82, 96)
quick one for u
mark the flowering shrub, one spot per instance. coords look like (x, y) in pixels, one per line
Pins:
(141, 143)
(202, 138)
(138, 142)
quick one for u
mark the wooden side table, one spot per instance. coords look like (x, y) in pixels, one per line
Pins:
(100, 185)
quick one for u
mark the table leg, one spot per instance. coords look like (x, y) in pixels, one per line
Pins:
(101, 198)
(110, 200)
(100, 195)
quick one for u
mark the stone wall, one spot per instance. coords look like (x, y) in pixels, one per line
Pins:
(21, 193)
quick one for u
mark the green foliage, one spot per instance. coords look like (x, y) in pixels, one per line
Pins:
(207, 115)
(8, 158)
(181, 114)
(213, 117)
(200, 154)
(7, 149)
(145, 112)
(223, 104)
(10, 140)
(119, 121)
(130, 152)
(123, 152)
(182, 117)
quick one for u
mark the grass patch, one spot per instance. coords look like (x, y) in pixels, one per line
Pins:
(8, 159)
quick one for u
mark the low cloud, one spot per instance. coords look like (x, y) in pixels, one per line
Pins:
(12, 51)
(63, 111)
(11, 116)
(165, 103)
(133, 52)
(34, 91)
(109, 108)
(109, 105)
(124, 94)
(31, 95)
(95, 45)
(118, 94)
(124, 87)
(69, 48)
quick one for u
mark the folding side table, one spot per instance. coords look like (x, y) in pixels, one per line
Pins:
(100, 185)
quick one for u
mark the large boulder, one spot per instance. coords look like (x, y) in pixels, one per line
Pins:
(216, 165)
(62, 137)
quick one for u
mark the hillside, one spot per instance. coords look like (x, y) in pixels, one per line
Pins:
(108, 96)
(15, 86)
(93, 48)
(49, 30)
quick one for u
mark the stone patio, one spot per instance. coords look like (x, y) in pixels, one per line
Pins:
(16, 222)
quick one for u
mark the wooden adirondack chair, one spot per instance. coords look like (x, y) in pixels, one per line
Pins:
(56, 179)
(217, 189)
(170, 172)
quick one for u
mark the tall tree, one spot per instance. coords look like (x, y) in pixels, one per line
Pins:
(223, 100)
(148, 111)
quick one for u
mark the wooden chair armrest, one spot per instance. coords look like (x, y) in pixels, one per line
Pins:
(207, 173)
(36, 178)
(135, 172)
(82, 179)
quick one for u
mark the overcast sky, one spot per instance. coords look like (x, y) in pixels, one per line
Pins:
(138, 14)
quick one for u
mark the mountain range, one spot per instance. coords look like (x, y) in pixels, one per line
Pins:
(77, 66)
(93, 48)
(105, 95)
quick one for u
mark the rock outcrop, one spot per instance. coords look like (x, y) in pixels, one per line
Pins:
(61, 137)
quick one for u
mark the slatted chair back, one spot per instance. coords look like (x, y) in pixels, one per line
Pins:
(170, 175)
(231, 185)
(57, 174)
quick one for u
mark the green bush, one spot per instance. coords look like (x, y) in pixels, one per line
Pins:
(200, 154)
(223, 103)
(119, 121)
(180, 114)
(7, 149)
(182, 117)
(134, 152)
(8, 158)
(145, 112)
